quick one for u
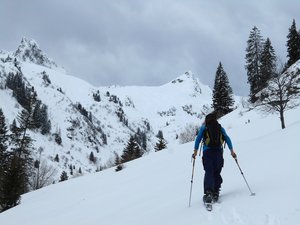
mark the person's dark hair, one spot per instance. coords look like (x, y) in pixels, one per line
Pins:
(210, 118)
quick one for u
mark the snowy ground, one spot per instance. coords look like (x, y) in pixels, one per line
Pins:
(155, 188)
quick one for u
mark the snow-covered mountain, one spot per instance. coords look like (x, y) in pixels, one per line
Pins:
(155, 189)
(97, 119)
(29, 51)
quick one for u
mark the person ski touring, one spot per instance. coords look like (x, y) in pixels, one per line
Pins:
(213, 136)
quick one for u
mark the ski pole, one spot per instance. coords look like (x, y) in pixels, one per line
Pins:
(251, 193)
(191, 188)
(192, 179)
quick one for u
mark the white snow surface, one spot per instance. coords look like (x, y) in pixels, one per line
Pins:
(169, 107)
(155, 189)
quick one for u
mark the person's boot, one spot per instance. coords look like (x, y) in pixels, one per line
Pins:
(208, 197)
(215, 196)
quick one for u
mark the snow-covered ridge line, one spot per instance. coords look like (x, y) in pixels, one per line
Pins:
(98, 120)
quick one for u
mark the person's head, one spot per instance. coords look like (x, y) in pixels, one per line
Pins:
(210, 118)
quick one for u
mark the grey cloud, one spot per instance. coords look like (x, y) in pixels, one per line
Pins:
(134, 42)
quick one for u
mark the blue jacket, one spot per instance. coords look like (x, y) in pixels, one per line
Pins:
(205, 147)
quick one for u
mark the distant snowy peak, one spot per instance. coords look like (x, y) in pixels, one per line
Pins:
(189, 80)
(29, 51)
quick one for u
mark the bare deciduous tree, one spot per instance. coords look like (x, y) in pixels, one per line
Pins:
(44, 175)
(189, 133)
(281, 94)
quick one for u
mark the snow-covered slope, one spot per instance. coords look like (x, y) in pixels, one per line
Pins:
(118, 112)
(170, 106)
(155, 188)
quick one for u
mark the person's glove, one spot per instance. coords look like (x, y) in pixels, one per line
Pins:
(233, 154)
(194, 154)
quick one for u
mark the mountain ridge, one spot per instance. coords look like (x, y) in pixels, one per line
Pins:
(113, 113)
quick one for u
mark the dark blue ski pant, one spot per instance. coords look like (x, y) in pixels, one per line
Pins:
(213, 163)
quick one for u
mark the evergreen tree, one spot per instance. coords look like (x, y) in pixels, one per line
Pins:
(21, 141)
(3, 142)
(27, 97)
(160, 134)
(44, 120)
(141, 139)
(118, 163)
(46, 127)
(104, 138)
(96, 96)
(13, 183)
(19, 166)
(57, 137)
(27, 117)
(71, 169)
(40, 118)
(144, 141)
(222, 93)
(92, 157)
(3, 154)
(20, 91)
(161, 144)
(253, 61)
(36, 184)
(119, 167)
(63, 176)
(132, 150)
(56, 158)
(13, 127)
(36, 115)
(268, 64)
(293, 45)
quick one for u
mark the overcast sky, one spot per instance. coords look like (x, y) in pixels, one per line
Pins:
(147, 42)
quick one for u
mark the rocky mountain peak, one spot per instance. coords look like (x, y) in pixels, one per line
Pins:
(29, 51)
